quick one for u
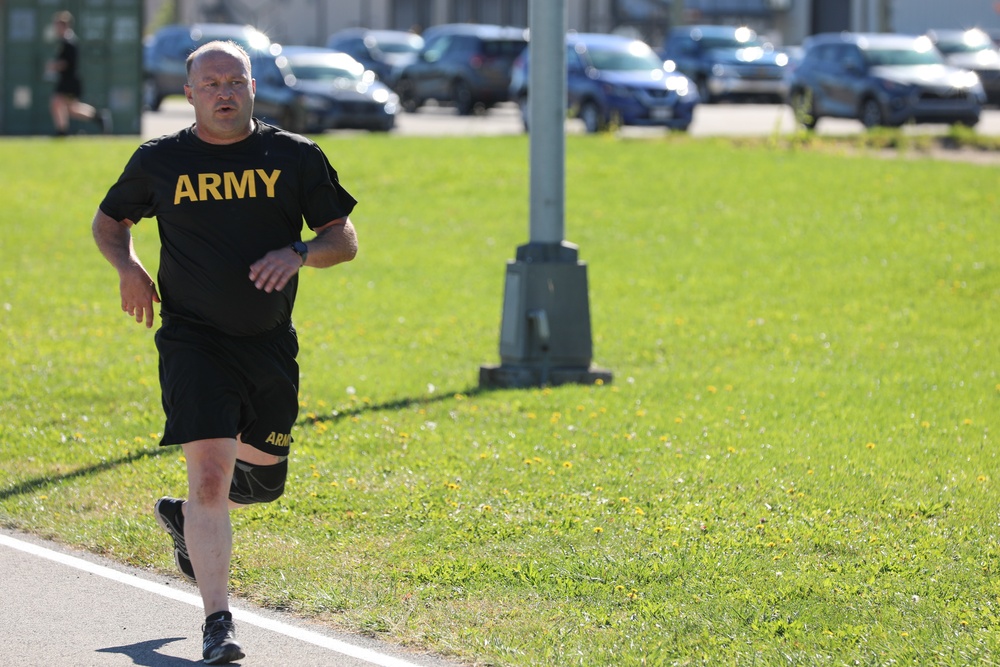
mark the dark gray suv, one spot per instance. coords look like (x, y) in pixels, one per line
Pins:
(462, 64)
(881, 79)
(726, 62)
(165, 54)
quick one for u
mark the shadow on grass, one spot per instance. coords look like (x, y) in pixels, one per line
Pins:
(31, 485)
(398, 404)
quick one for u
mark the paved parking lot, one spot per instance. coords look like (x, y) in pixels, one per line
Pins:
(709, 120)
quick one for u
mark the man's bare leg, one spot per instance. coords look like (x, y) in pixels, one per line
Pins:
(207, 530)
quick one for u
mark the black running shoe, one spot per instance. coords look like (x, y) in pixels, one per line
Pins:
(220, 645)
(171, 519)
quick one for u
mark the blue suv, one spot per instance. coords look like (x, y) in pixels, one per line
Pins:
(615, 80)
(727, 62)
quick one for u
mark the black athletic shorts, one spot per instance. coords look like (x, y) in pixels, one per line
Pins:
(218, 386)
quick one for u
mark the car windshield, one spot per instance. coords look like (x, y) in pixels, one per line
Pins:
(409, 46)
(636, 57)
(502, 48)
(900, 56)
(310, 71)
(949, 46)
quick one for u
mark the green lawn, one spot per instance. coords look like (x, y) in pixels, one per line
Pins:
(794, 464)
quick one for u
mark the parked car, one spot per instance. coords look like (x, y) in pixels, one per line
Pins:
(615, 79)
(165, 54)
(726, 62)
(972, 49)
(464, 65)
(882, 79)
(309, 89)
(384, 52)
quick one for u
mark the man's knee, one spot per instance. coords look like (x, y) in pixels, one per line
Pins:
(258, 483)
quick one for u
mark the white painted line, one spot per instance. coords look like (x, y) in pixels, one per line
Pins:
(308, 636)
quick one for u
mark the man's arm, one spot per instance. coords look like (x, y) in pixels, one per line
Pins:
(138, 291)
(336, 242)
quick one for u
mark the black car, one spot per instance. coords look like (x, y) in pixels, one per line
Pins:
(881, 79)
(165, 54)
(308, 89)
(462, 64)
(727, 62)
(385, 52)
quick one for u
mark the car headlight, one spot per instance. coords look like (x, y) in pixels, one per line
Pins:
(680, 85)
(966, 79)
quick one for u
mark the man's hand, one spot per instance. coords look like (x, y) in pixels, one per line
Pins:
(273, 271)
(138, 293)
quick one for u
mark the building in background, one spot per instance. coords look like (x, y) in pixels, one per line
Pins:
(310, 22)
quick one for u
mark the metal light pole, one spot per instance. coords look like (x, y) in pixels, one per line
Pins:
(545, 333)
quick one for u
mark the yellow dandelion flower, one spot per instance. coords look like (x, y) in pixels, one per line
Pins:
(527, 462)
(567, 464)
(731, 450)
(316, 473)
(981, 478)
(619, 588)
(870, 445)
(639, 511)
(904, 634)
(484, 455)
(313, 494)
(712, 389)
(678, 420)
(351, 480)
(624, 500)
(598, 488)
(530, 415)
(925, 424)
(967, 422)
(487, 508)
(600, 381)
(598, 530)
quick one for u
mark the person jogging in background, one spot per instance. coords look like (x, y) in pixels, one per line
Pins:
(65, 102)
(230, 195)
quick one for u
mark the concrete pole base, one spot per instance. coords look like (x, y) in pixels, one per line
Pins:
(522, 377)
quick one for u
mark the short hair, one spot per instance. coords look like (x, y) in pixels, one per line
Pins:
(227, 46)
(63, 17)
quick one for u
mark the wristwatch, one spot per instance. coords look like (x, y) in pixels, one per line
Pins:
(301, 249)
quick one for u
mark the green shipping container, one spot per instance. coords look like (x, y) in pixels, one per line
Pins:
(109, 39)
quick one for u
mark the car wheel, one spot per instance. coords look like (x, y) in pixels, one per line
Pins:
(703, 92)
(871, 113)
(592, 117)
(293, 119)
(461, 95)
(803, 108)
(151, 97)
(407, 96)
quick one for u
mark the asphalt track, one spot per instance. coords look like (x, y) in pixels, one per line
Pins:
(65, 608)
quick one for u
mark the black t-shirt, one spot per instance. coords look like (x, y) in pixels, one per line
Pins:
(219, 209)
(68, 81)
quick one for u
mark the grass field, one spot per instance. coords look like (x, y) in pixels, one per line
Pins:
(795, 463)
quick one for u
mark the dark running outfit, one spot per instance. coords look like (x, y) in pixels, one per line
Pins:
(227, 350)
(68, 81)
